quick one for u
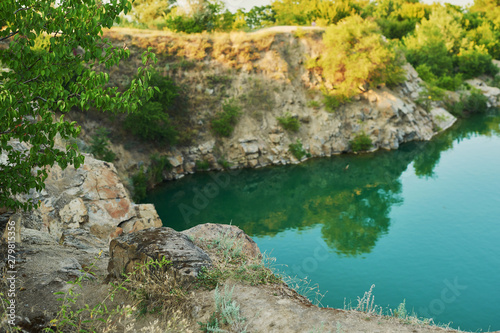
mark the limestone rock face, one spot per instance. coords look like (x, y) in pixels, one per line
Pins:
(442, 118)
(82, 239)
(155, 243)
(389, 117)
(91, 198)
(212, 231)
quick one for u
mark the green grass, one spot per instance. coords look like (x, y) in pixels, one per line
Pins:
(298, 150)
(361, 142)
(289, 123)
(223, 122)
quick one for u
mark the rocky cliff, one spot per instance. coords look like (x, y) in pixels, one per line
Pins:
(265, 74)
(92, 198)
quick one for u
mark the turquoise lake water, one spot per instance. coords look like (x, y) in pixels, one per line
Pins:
(420, 223)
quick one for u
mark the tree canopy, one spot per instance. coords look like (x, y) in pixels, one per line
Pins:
(48, 51)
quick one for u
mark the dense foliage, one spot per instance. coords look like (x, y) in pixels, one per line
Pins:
(224, 121)
(48, 50)
(152, 122)
(366, 41)
(356, 54)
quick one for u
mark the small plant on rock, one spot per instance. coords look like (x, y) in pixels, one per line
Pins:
(202, 165)
(289, 122)
(227, 313)
(223, 123)
(298, 150)
(361, 142)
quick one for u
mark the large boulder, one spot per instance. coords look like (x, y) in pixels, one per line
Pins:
(214, 232)
(91, 197)
(131, 249)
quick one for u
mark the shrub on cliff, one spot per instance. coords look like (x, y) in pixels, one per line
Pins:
(361, 142)
(356, 54)
(223, 123)
(289, 122)
(152, 121)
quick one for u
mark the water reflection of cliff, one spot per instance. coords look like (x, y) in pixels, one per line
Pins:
(349, 196)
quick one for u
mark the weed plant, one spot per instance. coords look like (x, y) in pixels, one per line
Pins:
(223, 123)
(361, 142)
(203, 165)
(298, 150)
(289, 123)
(227, 315)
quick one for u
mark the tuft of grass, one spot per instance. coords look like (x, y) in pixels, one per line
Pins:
(227, 315)
(313, 104)
(366, 303)
(332, 102)
(289, 123)
(361, 142)
(299, 33)
(224, 163)
(151, 286)
(298, 150)
(231, 262)
(203, 165)
(223, 123)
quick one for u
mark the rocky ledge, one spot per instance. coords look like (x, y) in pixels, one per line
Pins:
(92, 198)
(263, 303)
(389, 117)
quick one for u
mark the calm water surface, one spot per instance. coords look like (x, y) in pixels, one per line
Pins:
(420, 223)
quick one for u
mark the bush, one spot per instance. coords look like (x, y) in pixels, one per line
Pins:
(99, 145)
(361, 142)
(151, 122)
(476, 102)
(356, 54)
(393, 28)
(429, 94)
(298, 150)
(202, 165)
(475, 61)
(289, 123)
(224, 122)
(224, 163)
(140, 185)
(445, 81)
(142, 180)
(158, 165)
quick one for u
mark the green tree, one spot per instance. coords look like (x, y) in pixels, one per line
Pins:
(200, 15)
(356, 54)
(152, 121)
(149, 11)
(55, 76)
(303, 12)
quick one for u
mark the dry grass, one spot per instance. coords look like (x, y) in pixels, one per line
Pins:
(230, 262)
(235, 49)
